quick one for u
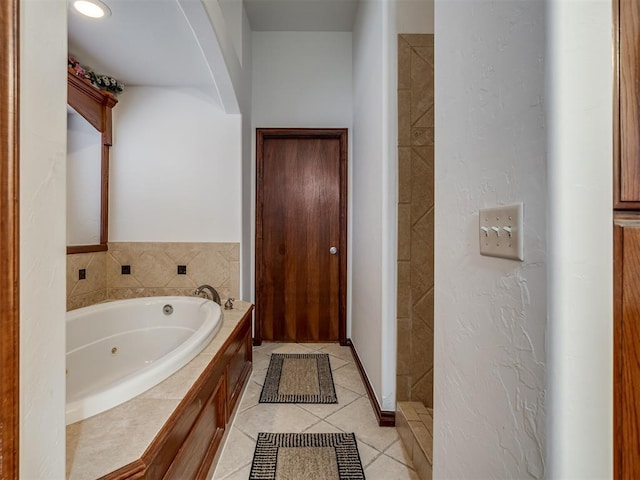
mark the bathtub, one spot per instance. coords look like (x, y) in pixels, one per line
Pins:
(117, 350)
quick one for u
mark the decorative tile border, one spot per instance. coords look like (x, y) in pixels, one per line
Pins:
(153, 271)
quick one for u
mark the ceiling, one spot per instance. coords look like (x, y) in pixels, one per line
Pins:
(150, 42)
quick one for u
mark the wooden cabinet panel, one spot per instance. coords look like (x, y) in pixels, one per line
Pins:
(204, 438)
(238, 370)
(629, 64)
(627, 349)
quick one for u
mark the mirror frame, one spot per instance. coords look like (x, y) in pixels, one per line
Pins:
(95, 107)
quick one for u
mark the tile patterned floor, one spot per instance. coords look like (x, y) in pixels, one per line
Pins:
(381, 451)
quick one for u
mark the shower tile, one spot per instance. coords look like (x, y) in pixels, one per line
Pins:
(423, 390)
(404, 63)
(422, 90)
(404, 290)
(404, 175)
(421, 265)
(422, 352)
(422, 136)
(419, 39)
(404, 118)
(427, 119)
(404, 231)
(423, 308)
(403, 388)
(422, 186)
(403, 366)
(424, 228)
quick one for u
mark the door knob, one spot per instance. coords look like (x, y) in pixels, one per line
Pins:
(333, 250)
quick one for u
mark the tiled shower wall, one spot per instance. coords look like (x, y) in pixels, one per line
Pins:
(153, 271)
(415, 218)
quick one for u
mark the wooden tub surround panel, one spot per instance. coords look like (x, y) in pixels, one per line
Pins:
(188, 442)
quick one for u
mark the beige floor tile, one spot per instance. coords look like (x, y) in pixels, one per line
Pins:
(241, 474)
(323, 410)
(261, 360)
(398, 452)
(322, 427)
(251, 396)
(293, 348)
(349, 377)
(358, 417)
(237, 452)
(353, 413)
(387, 468)
(338, 351)
(278, 418)
(367, 454)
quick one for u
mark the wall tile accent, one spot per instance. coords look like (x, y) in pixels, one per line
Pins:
(153, 271)
(92, 289)
(415, 218)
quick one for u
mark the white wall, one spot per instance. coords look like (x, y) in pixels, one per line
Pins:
(490, 314)
(300, 79)
(374, 188)
(370, 139)
(42, 238)
(414, 16)
(580, 284)
(175, 168)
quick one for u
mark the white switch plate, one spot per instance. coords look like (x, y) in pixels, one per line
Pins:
(494, 226)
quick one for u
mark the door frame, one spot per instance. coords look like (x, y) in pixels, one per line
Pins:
(316, 133)
(9, 239)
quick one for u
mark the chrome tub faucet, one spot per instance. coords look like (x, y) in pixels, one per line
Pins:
(212, 292)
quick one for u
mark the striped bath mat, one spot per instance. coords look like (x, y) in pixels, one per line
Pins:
(306, 456)
(299, 378)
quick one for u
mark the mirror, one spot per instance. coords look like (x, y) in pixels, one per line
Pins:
(89, 133)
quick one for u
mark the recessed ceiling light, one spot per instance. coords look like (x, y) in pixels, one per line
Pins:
(92, 8)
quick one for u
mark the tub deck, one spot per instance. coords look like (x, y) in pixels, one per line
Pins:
(122, 437)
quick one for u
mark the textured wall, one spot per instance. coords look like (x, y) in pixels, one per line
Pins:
(490, 313)
(153, 271)
(43, 48)
(415, 218)
(579, 145)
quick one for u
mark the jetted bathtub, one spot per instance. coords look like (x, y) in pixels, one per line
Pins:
(117, 350)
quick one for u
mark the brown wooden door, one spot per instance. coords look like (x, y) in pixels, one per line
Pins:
(300, 216)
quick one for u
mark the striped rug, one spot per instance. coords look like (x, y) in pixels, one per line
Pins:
(299, 378)
(306, 456)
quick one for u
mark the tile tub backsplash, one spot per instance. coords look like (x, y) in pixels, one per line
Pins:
(153, 271)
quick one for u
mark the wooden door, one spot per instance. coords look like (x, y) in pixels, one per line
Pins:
(301, 235)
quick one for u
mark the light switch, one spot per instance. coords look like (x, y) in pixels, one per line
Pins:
(501, 231)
